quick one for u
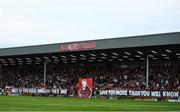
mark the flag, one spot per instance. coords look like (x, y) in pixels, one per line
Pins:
(85, 88)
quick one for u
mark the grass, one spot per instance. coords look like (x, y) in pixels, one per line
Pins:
(28, 103)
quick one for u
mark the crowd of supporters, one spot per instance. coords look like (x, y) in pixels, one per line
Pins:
(162, 76)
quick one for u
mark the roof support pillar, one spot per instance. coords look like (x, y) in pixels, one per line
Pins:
(44, 73)
(147, 72)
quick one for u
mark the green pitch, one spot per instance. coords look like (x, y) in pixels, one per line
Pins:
(18, 103)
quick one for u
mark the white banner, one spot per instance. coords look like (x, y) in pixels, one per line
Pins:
(171, 94)
(38, 91)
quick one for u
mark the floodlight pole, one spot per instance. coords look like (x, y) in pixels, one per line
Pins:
(147, 72)
(44, 72)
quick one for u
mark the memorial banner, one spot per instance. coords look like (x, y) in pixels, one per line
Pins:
(85, 88)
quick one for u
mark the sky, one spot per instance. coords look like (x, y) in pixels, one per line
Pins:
(35, 22)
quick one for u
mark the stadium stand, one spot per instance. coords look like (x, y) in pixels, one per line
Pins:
(113, 64)
(162, 76)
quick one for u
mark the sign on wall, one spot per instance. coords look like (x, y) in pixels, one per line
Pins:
(78, 46)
